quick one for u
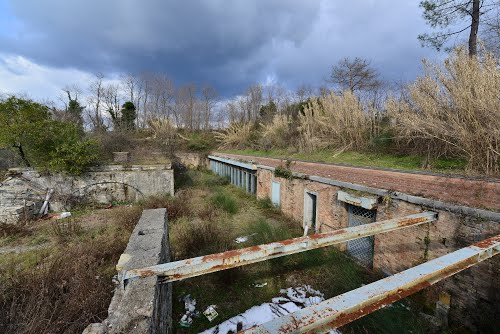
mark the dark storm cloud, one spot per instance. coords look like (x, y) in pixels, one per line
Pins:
(229, 44)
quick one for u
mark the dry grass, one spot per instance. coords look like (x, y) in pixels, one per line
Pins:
(334, 121)
(454, 110)
(195, 237)
(276, 133)
(176, 206)
(63, 288)
(237, 135)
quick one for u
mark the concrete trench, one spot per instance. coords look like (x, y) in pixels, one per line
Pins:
(144, 306)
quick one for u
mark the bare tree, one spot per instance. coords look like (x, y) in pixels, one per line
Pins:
(303, 92)
(209, 96)
(96, 91)
(111, 100)
(254, 99)
(186, 101)
(354, 75)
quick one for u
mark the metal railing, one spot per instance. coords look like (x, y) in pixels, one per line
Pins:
(179, 270)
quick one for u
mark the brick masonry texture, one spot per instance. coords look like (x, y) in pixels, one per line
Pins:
(463, 191)
(475, 293)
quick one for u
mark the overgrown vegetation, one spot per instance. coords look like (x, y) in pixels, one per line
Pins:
(67, 283)
(448, 116)
(27, 128)
(209, 228)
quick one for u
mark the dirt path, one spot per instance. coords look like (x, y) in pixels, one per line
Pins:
(22, 249)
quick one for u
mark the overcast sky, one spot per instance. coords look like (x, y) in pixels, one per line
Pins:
(230, 44)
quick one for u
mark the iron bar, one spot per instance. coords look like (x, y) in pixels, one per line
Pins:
(178, 270)
(352, 305)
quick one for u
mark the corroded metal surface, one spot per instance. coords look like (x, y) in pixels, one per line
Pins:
(179, 270)
(347, 307)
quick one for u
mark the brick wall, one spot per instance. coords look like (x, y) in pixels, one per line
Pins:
(463, 191)
(474, 289)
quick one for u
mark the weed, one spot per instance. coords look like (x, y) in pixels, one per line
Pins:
(60, 293)
(225, 202)
(192, 238)
(284, 171)
(265, 203)
(65, 229)
(177, 206)
(20, 229)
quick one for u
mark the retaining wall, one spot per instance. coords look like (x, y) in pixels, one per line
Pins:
(24, 191)
(144, 305)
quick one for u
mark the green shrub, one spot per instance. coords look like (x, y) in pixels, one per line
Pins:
(27, 128)
(201, 142)
(225, 202)
(74, 157)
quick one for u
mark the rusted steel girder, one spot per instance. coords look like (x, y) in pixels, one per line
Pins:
(349, 306)
(175, 271)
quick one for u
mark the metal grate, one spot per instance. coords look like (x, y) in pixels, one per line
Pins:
(361, 249)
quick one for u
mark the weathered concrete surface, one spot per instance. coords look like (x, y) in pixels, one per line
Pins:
(191, 160)
(22, 193)
(143, 306)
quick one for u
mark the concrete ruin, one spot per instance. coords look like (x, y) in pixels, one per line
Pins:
(142, 306)
(327, 197)
(23, 191)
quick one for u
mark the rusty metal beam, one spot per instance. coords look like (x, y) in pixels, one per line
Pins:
(179, 270)
(352, 305)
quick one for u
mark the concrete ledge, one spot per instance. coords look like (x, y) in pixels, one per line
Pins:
(143, 306)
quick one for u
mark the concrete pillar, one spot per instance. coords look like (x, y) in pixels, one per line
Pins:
(252, 184)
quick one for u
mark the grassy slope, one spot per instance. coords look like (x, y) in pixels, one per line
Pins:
(379, 160)
(233, 290)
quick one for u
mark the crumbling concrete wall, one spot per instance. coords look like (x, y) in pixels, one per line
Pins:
(475, 293)
(143, 305)
(192, 159)
(101, 184)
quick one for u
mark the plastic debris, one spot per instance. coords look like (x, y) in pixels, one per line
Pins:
(63, 215)
(292, 299)
(260, 285)
(244, 238)
(211, 313)
(190, 308)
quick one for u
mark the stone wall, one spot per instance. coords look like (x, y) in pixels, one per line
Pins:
(143, 305)
(191, 159)
(475, 293)
(101, 184)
